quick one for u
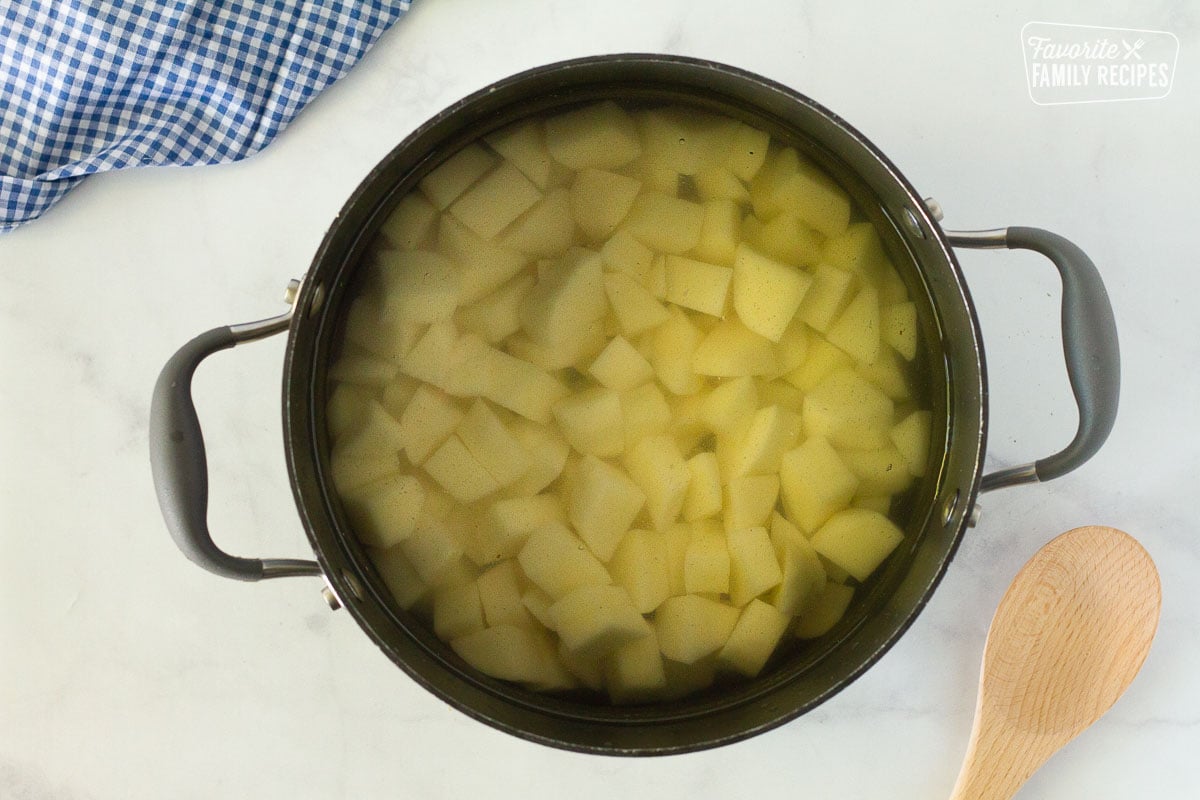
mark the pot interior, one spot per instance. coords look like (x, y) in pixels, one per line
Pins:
(934, 512)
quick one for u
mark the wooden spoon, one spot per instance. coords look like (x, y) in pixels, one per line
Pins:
(1068, 638)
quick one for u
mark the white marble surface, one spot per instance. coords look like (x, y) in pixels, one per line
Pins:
(125, 672)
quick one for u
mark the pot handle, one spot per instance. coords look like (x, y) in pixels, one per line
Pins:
(180, 468)
(1089, 334)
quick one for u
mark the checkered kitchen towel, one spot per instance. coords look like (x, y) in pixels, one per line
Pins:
(94, 85)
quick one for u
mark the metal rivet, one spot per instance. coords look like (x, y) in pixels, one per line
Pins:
(352, 581)
(935, 208)
(951, 506)
(293, 289)
(331, 597)
(973, 517)
(318, 299)
(913, 223)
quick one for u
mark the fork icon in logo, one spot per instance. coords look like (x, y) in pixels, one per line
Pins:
(1132, 49)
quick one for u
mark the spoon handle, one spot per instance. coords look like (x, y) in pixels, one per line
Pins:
(994, 769)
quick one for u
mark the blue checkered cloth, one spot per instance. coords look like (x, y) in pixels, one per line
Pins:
(94, 85)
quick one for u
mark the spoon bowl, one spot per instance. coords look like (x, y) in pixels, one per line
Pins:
(1067, 639)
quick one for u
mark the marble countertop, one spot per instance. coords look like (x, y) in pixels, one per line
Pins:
(125, 672)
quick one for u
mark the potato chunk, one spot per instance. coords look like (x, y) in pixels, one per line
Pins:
(752, 565)
(558, 562)
(495, 201)
(754, 637)
(691, 627)
(603, 502)
(766, 293)
(657, 467)
(697, 285)
(592, 621)
(591, 421)
(911, 437)
(640, 566)
(600, 200)
(857, 540)
(565, 299)
(451, 179)
(815, 483)
(600, 136)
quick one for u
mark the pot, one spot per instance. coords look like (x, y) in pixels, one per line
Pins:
(941, 509)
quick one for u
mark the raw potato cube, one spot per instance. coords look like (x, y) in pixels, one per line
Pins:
(635, 670)
(747, 151)
(602, 504)
(731, 350)
(703, 497)
(356, 462)
(684, 679)
(547, 229)
(636, 309)
(512, 653)
(883, 471)
(577, 351)
(429, 419)
(592, 621)
(720, 232)
(803, 575)
(619, 366)
(691, 627)
(749, 500)
(520, 386)
(857, 330)
(587, 671)
(824, 611)
(508, 523)
(591, 421)
(496, 316)
(822, 360)
(899, 323)
(484, 266)
(815, 483)
(656, 282)
(601, 136)
(758, 631)
(558, 562)
(731, 406)
(780, 393)
(401, 578)
(718, 183)
(792, 349)
(848, 411)
(674, 347)
(887, 374)
(697, 285)
(646, 412)
(369, 329)
(676, 539)
(459, 472)
(346, 409)
(447, 182)
(657, 467)
(457, 611)
(752, 565)
(600, 200)
(432, 550)
(683, 141)
(385, 512)
(495, 201)
(419, 285)
(565, 300)
(858, 250)
(816, 199)
(500, 596)
(785, 238)
(623, 253)
(547, 453)
(706, 564)
(523, 146)
(665, 224)
(881, 503)
(857, 540)
(772, 431)
(911, 437)
(362, 370)
(640, 566)
(825, 299)
(766, 293)
(410, 224)
(429, 358)
(490, 442)
(538, 604)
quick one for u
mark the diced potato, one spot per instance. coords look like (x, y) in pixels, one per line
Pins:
(674, 346)
(665, 224)
(600, 136)
(772, 431)
(566, 299)
(656, 281)
(429, 419)
(825, 299)
(576, 352)
(547, 453)
(645, 411)
(676, 540)
(887, 374)
(420, 285)
(754, 637)
(683, 141)
(483, 265)
(432, 549)
(822, 360)
(686, 679)
(519, 386)
(387, 338)
(857, 540)
(592, 422)
(881, 503)
(781, 393)
(490, 442)
(766, 293)
(508, 523)
(706, 564)
(602, 504)
(401, 578)
(882, 471)
(703, 497)
(720, 232)
(815, 483)
(558, 562)
(500, 596)
(785, 238)
(749, 500)
(524, 147)
(911, 436)
(593, 621)
(451, 179)
(858, 249)
(385, 512)
(496, 316)
(495, 201)
(538, 603)
(697, 285)
(658, 469)
(824, 611)
(588, 671)
(752, 565)
(624, 253)
(731, 350)
(457, 611)
(747, 151)
(815, 198)
(357, 461)
(398, 394)
(620, 366)
(512, 653)
(459, 472)
(545, 230)
(803, 574)
(430, 357)
(600, 200)
(346, 409)
(718, 183)
(899, 324)
(640, 567)
(848, 411)
(856, 331)
(635, 670)
(409, 226)
(731, 406)
(691, 627)
(362, 370)
(636, 309)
